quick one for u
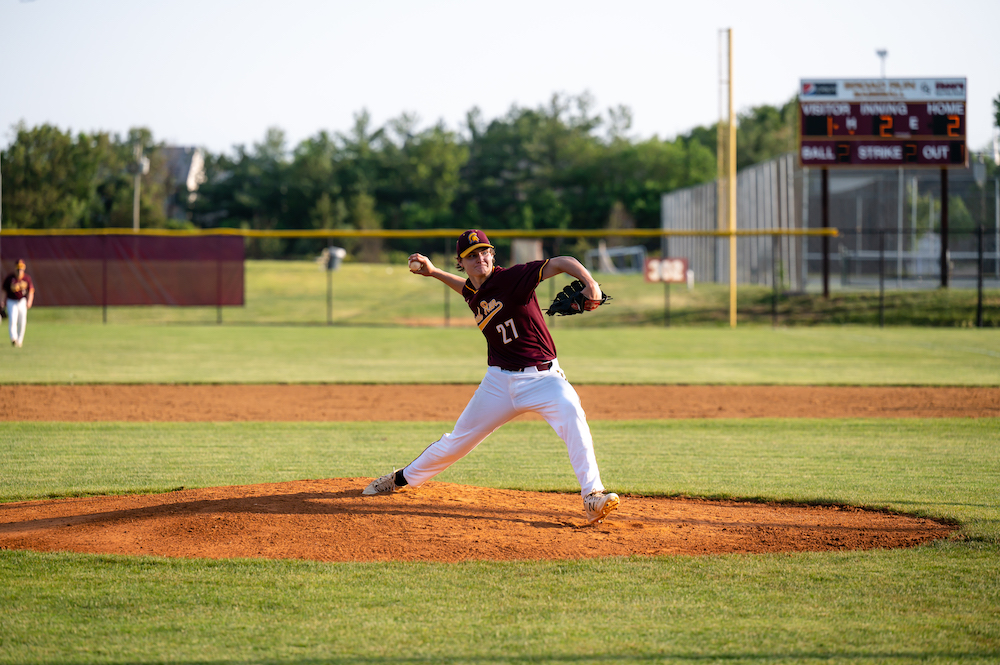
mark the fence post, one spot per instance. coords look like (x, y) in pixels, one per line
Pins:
(104, 280)
(666, 304)
(900, 198)
(825, 199)
(329, 281)
(218, 279)
(665, 246)
(447, 289)
(944, 228)
(842, 251)
(774, 281)
(979, 279)
(881, 278)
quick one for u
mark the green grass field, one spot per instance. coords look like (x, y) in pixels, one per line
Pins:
(933, 604)
(137, 353)
(295, 293)
(938, 603)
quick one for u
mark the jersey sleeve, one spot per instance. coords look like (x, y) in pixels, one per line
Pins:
(525, 279)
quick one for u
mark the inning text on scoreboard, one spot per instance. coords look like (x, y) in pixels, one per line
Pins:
(882, 122)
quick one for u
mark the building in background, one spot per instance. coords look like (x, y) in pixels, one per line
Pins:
(185, 172)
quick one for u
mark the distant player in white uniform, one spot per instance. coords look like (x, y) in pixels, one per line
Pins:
(18, 294)
(523, 374)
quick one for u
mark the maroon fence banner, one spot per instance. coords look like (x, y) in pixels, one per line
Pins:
(111, 270)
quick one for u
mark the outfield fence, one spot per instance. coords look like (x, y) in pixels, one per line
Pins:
(117, 270)
(208, 272)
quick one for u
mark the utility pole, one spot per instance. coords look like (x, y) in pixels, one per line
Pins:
(139, 169)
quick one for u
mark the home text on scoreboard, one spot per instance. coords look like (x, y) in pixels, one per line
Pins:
(882, 122)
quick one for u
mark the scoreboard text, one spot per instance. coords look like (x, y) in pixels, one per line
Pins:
(889, 126)
(667, 270)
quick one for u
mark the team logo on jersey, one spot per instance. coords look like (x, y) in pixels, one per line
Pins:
(487, 310)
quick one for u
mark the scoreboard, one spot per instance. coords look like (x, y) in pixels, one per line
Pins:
(882, 123)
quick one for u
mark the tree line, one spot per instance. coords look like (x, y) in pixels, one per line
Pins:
(558, 166)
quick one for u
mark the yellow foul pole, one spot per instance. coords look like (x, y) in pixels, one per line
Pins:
(721, 143)
(732, 192)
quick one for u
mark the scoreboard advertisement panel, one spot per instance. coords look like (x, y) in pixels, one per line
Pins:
(882, 123)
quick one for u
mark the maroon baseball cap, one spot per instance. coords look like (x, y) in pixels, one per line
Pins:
(471, 240)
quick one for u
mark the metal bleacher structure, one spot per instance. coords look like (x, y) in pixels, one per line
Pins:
(884, 217)
(768, 197)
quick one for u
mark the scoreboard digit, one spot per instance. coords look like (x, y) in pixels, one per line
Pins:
(667, 270)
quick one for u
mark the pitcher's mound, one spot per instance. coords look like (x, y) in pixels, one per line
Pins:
(329, 520)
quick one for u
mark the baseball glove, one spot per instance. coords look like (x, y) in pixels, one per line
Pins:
(571, 301)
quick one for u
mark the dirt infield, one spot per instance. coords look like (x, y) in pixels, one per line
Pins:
(329, 520)
(199, 403)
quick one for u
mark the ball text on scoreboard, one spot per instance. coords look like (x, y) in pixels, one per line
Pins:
(882, 122)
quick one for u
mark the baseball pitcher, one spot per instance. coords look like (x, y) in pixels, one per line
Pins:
(523, 373)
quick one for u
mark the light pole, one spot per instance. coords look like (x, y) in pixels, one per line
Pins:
(881, 54)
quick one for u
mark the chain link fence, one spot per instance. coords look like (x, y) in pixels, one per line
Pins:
(886, 258)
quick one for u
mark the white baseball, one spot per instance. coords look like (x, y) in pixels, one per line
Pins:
(415, 265)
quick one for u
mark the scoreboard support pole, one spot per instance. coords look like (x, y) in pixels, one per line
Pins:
(825, 196)
(944, 228)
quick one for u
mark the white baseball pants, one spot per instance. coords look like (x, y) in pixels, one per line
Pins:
(502, 396)
(17, 313)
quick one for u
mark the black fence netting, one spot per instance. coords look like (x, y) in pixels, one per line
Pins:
(112, 270)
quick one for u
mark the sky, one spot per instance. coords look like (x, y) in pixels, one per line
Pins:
(219, 73)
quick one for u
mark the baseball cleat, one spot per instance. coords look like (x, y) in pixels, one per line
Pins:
(382, 485)
(599, 505)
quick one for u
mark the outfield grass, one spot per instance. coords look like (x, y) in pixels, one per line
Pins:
(137, 353)
(932, 604)
(295, 292)
(281, 336)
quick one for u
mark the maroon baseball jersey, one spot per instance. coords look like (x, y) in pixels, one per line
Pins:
(17, 288)
(506, 310)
